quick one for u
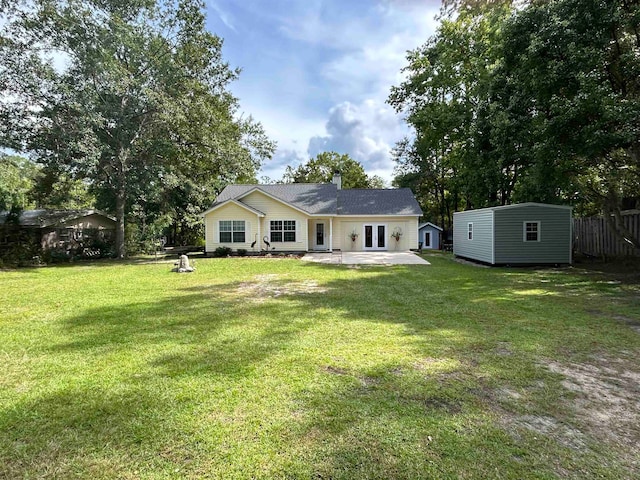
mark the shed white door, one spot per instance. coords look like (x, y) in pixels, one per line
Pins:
(427, 240)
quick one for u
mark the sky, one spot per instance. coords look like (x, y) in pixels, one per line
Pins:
(316, 73)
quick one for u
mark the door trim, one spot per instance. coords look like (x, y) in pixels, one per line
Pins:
(324, 236)
(375, 237)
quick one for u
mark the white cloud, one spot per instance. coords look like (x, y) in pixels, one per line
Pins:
(278, 164)
(366, 131)
(222, 14)
(323, 72)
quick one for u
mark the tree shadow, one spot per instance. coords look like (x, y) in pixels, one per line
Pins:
(79, 430)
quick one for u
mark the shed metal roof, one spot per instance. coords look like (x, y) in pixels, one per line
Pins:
(427, 224)
(518, 205)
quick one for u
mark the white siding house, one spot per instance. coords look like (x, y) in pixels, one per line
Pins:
(312, 217)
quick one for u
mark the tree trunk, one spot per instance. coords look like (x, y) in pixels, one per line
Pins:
(121, 251)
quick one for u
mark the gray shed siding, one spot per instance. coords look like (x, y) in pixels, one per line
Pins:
(481, 247)
(435, 237)
(555, 235)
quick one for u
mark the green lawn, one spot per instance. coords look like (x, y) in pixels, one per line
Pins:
(268, 368)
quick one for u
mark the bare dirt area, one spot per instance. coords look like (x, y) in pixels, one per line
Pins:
(607, 400)
(273, 285)
(603, 398)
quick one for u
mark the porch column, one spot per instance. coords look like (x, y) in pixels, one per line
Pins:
(308, 238)
(259, 236)
(331, 234)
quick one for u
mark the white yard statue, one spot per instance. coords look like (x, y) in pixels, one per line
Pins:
(183, 265)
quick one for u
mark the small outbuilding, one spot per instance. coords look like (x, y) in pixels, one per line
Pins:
(429, 236)
(520, 234)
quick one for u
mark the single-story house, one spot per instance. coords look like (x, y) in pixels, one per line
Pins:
(525, 234)
(429, 235)
(55, 228)
(303, 217)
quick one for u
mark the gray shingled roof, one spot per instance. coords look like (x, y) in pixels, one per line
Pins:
(47, 218)
(313, 198)
(397, 201)
(326, 199)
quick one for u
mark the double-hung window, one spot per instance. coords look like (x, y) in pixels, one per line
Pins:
(232, 231)
(531, 231)
(283, 230)
(470, 231)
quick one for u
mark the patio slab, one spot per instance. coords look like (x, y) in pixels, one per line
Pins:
(366, 258)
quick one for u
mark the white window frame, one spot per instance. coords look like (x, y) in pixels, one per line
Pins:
(232, 231)
(470, 231)
(524, 230)
(284, 230)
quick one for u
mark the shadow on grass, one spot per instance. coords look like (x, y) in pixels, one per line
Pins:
(469, 331)
(83, 431)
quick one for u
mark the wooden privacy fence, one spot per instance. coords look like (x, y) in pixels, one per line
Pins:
(594, 236)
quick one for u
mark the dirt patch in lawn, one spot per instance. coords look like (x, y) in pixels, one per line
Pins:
(564, 434)
(606, 398)
(273, 286)
(602, 398)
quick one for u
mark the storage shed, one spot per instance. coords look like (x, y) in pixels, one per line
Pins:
(429, 236)
(524, 234)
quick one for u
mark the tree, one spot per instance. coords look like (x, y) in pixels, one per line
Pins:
(443, 98)
(17, 179)
(536, 103)
(322, 168)
(576, 63)
(140, 104)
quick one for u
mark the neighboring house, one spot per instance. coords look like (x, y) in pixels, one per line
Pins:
(55, 228)
(429, 235)
(312, 217)
(526, 233)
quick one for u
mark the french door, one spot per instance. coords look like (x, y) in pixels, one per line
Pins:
(375, 237)
(319, 240)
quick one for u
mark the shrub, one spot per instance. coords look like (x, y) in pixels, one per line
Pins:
(242, 252)
(56, 255)
(222, 252)
(21, 248)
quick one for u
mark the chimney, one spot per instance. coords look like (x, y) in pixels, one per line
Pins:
(337, 179)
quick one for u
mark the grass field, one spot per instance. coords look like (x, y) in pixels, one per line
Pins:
(268, 368)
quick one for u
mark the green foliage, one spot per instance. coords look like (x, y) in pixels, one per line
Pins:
(539, 103)
(140, 106)
(18, 176)
(19, 246)
(222, 252)
(322, 168)
(443, 97)
(58, 190)
(242, 252)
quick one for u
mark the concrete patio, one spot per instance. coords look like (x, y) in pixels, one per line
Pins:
(366, 258)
